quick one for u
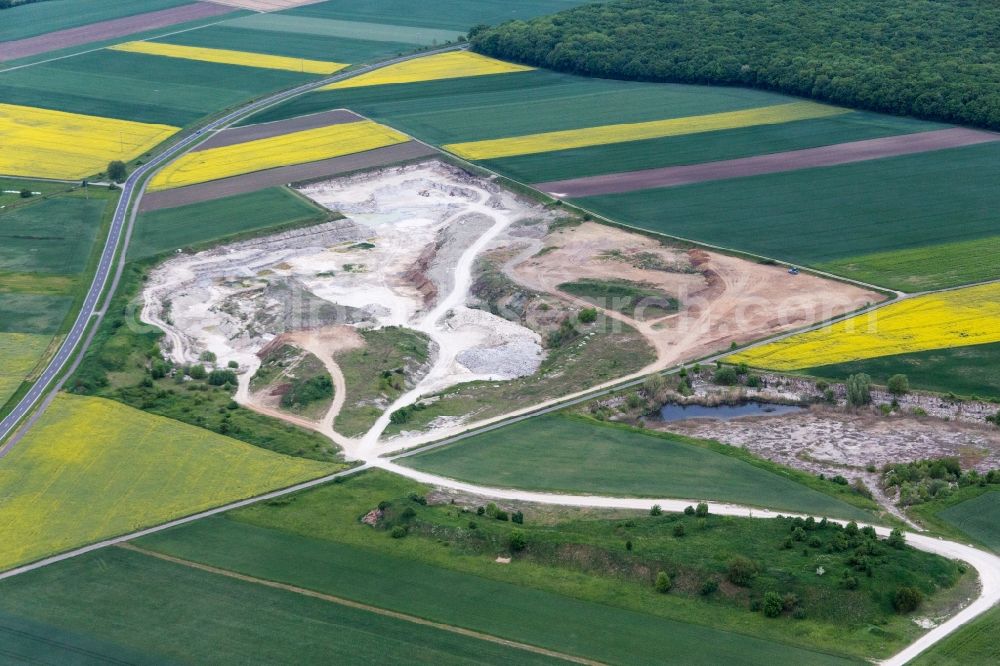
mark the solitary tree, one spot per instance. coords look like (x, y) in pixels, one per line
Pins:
(907, 599)
(702, 510)
(663, 582)
(899, 385)
(859, 390)
(117, 171)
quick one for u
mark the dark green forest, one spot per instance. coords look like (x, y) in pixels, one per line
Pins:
(934, 59)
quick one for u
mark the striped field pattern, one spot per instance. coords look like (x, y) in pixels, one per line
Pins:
(620, 133)
(228, 57)
(293, 148)
(454, 65)
(944, 320)
(57, 144)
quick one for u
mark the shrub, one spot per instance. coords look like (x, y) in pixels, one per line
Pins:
(859, 390)
(907, 599)
(408, 513)
(628, 546)
(689, 510)
(517, 540)
(501, 515)
(726, 376)
(222, 377)
(663, 582)
(480, 511)
(26, 193)
(741, 571)
(709, 587)
(472, 525)
(419, 499)
(702, 510)
(207, 356)
(233, 365)
(197, 372)
(679, 529)
(517, 517)
(398, 532)
(655, 510)
(772, 604)
(898, 385)
(588, 315)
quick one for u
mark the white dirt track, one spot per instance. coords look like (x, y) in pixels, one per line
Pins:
(986, 564)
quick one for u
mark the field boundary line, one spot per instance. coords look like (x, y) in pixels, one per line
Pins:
(357, 605)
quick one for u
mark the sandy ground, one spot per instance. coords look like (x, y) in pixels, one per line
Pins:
(723, 299)
(233, 135)
(825, 156)
(96, 32)
(251, 182)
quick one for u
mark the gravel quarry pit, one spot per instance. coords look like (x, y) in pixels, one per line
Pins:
(402, 256)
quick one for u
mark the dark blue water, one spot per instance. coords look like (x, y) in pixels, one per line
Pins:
(672, 412)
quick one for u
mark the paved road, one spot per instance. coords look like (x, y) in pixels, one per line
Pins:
(132, 191)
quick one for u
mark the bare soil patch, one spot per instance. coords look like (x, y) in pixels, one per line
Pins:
(723, 299)
(251, 182)
(842, 153)
(265, 5)
(235, 135)
(97, 32)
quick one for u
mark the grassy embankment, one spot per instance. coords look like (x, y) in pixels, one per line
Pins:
(571, 561)
(378, 373)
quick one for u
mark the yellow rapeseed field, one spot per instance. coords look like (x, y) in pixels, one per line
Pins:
(453, 65)
(959, 318)
(56, 144)
(293, 148)
(656, 129)
(19, 353)
(227, 57)
(93, 468)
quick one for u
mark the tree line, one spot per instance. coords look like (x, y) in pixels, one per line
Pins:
(933, 59)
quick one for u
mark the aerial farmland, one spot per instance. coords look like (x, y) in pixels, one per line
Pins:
(466, 331)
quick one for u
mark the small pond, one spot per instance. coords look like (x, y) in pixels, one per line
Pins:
(672, 412)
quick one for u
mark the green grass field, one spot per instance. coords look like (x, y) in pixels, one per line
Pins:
(965, 371)
(42, 17)
(112, 606)
(457, 15)
(335, 28)
(978, 517)
(572, 454)
(144, 88)
(92, 468)
(924, 268)
(33, 313)
(704, 147)
(822, 216)
(52, 235)
(514, 611)
(975, 643)
(574, 573)
(292, 44)
(19, 353)
(488, 107)
(199, 224)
